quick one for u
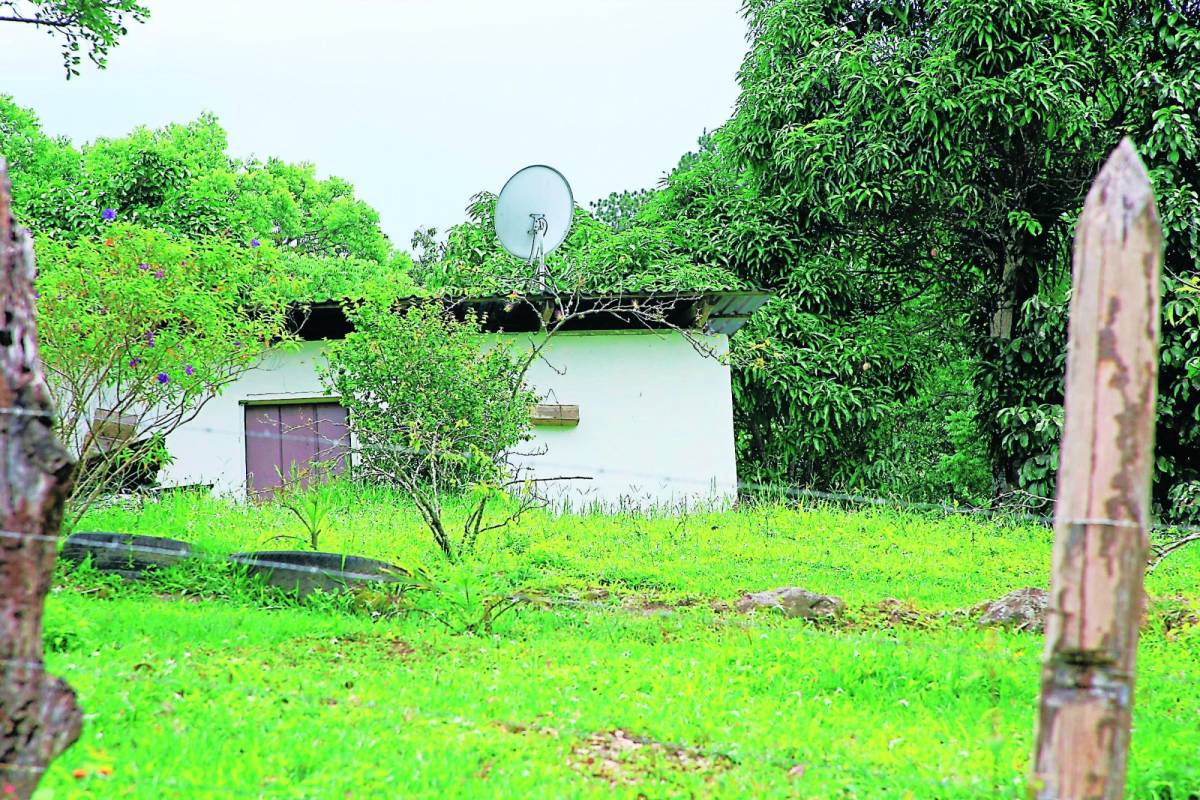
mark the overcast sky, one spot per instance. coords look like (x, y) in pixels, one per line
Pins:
(419, 103)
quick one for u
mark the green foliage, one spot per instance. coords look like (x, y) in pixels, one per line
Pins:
(181, 179)
(311, 279)
(148, 327)
(593, 259)
(468, 597)
(619, 210)
(309, 497)
(168, 267)
(828, 361)
(931, 448)
(908, 174)
(432, 407)
(92, 24)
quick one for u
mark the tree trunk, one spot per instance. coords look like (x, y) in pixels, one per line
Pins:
(38, 715)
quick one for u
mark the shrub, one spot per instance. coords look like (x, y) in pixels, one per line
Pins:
(145, 329)
(432, 409)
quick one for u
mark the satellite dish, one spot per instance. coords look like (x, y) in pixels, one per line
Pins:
(534, 214)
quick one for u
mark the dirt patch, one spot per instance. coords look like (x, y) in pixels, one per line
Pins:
(1176, 612)
(172, 597)
(623, 759)
(339, 646)
(657, 607)
(894, 613)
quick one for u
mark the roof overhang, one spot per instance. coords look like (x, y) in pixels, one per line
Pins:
(710, 312)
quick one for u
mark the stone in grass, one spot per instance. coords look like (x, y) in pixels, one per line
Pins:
(1023, 609)
(793, 602)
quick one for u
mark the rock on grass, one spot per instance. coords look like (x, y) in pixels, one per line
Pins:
(1023, 609)
(795, 603)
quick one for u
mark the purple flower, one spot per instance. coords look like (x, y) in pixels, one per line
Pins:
(109, 214)
(255, 243)
(159, 275)
(143, 266)
(133, 362)
(37, 295)
(164, 378)
(150, 338)
(189, 371)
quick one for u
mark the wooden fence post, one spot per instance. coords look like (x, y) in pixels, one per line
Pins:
(38, 715)
(1103, 509)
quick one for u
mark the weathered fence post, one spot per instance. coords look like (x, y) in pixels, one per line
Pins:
(1103, 509)
(38, 715)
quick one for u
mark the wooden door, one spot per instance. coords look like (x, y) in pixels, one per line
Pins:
(292, 442)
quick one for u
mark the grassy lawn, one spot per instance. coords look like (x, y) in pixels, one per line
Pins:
(192, 690)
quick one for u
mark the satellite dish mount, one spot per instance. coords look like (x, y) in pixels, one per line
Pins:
(533, 217)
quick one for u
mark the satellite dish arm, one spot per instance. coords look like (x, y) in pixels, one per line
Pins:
(537, 254)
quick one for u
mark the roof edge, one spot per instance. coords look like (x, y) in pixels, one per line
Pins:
(721, 312)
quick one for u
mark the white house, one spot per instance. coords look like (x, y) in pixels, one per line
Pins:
(640, 411)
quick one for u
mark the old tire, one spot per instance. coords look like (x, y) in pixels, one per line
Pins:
(303, 572)
(124, 553)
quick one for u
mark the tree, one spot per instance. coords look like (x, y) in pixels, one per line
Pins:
(620, 209)
(41, 717)
(593, 259)
(925, 160)
(92, 24)
(433, 409)
(824, 373)
(139, 331)
(167, 268)
(181, 179)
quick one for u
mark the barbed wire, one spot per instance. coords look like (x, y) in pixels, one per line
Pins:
(534, 461)
(897, 635)
(1007, 513)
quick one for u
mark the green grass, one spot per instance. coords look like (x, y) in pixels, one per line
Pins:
(222, 697)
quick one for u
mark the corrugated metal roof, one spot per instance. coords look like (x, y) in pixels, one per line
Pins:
(732, 310)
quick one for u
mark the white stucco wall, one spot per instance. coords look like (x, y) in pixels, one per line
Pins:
(656, 420)
(211, 449)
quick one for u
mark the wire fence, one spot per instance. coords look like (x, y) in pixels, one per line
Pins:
(701, 485)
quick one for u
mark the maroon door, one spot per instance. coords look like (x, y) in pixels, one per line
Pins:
(294, 442)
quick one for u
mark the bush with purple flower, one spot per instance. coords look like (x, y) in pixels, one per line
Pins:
(116, 325)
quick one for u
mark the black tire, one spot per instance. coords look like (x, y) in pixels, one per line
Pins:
(125, 553)
(303, 572)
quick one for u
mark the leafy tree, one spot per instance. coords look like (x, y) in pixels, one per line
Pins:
(921, 164)
(138, 331)
(167, 268)
(92, 24)
(829, 362)
(620, 209)
(433, 409)
(593, 259)
(181, 179)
